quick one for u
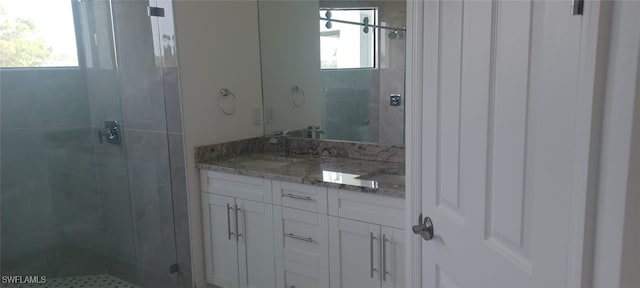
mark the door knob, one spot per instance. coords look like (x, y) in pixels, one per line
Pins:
(424, 228)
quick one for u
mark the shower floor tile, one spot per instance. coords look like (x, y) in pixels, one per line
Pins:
(91, 281)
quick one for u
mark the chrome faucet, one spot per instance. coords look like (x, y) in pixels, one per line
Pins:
(314, 132)
(282, 138)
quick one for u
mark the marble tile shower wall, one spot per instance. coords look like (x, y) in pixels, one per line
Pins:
(152, 121)
(392, 75)
(50, 204)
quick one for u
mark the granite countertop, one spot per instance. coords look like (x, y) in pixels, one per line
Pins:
(369, 176)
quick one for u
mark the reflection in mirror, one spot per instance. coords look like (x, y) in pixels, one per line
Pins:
(343, 42)
(334, 69)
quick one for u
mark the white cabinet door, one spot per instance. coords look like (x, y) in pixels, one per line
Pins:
(221, 256)
(354, 259)
(256, 245)
(393, 244)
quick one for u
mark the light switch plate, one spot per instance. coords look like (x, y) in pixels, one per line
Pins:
(269, 116)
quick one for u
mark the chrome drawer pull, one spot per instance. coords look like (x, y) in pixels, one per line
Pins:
(371, 238)
(297, 197)
(384, 257)
(238, 235)
(294, 236)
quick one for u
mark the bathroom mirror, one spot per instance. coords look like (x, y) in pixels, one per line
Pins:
(337, 66)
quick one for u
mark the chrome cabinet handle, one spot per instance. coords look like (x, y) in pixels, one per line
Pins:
(294, 236)
(238, 235)
(291, 286)
(371, 238)
(384, 257)
(297, 197)
(229, 221)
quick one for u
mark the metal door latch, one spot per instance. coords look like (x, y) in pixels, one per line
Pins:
(424, 228)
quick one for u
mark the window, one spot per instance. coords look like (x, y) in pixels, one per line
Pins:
(37, 33)
(345, 41)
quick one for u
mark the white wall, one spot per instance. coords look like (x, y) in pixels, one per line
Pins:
(617, 251)
(631, 239)
(218, 48)
(631, 242)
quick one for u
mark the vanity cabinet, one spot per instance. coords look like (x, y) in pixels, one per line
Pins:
(268, 233)
(302, 248)
(366, 240)
(239, 242)
(243, 187)
(219, 224)
(365, 254)
(367, 207)
(299, 196)
(355, 253)
(393, 257)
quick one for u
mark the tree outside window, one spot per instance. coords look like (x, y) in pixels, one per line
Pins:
(32, 37)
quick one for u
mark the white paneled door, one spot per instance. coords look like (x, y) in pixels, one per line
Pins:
(500, 118)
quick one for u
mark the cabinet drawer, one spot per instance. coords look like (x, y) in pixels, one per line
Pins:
(367, 207)
(305, 237)
(302, 276)
(303, 256)
(243, 187)
(305, 197)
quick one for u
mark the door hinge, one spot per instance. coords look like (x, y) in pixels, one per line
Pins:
(577, 7)
(173, 268)
(155, 11)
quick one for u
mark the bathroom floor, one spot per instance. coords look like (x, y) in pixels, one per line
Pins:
(91, 281)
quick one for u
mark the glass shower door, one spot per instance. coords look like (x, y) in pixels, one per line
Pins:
(85, 174)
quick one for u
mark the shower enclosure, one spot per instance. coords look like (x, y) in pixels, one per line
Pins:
(92, 172)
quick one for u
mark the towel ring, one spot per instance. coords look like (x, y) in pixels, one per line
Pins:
(297, 96)
(224, 94)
